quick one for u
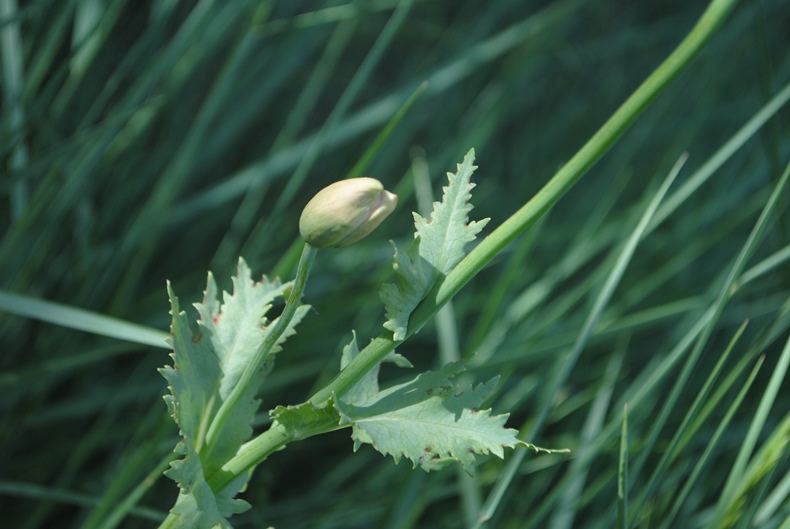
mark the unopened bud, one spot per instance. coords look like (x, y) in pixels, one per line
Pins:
(344, 212)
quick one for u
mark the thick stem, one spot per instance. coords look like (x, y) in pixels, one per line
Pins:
(254, 452)
(248, 378)
(170, 521)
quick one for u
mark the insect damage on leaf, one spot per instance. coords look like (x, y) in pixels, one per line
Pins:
(438, 246)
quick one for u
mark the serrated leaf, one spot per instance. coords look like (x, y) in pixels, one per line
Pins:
(429, 421)
(236, 329)
(368, 385)
(192, 381)
(438, 247)
(197, 506)
(206, 367)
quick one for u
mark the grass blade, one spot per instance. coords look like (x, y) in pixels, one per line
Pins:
(739, 466)
(81, 320)
(567, 362)
(622, 476)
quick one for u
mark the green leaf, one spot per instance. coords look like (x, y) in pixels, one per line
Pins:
(236, 330)
(368, 385)
(197, 506)
(192, 383)
(305, 420)
(429, 421)
(438, 246)
(206, 367)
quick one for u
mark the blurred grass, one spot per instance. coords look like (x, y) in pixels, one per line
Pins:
(155, 140)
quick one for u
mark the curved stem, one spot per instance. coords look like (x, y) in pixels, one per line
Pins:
(271, 339)
(549, 195)
(489, 247)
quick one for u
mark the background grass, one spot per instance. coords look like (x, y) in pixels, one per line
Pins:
(146, 141)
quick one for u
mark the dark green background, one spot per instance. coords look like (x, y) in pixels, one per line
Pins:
(145, 135)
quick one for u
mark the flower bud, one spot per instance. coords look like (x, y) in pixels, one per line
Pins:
(345, 212)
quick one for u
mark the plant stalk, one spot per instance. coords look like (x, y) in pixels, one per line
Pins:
(254, 452)
(549, 195)
(489, 247)
(271, 339)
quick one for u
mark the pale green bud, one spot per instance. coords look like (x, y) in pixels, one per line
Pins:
(345, 212)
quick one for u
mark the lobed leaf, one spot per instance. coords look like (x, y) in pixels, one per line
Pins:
(429, 421)
(197, 506)
(305, 420)
(206, 367)
(438, 246)
(236, 329)
(368, 386)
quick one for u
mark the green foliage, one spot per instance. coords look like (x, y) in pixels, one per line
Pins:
(197, 506)
(304, 420)
(438, 246)
(430, 420)
(206, 368)
(146, 141)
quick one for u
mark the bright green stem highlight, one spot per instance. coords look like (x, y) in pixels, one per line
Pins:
(272, 337)
(260, 447)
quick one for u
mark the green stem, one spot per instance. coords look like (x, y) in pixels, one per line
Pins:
(549, 195)
(268, 442)
(254, 452)
(271, 339)
(262, 446)
(489, 247)
(170, 521)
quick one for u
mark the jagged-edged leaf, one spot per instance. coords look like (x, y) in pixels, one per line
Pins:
(192, 381)
(236, 329)
(206, 367)
(197, 506)
(438, 246)
(368, 385)
(429, 421)
(305, 420)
